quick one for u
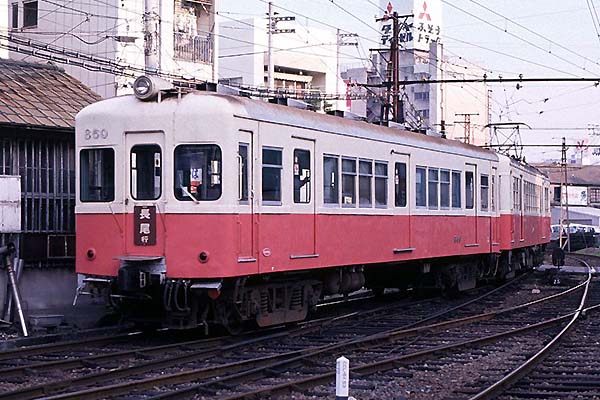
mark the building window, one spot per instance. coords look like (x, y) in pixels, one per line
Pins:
(594, 195)
(97, 170)
(30, 14)
(400, 184)
(271, 176)
(331, 175)
(15, 15)
(456, 190)
(556, 194)
(198, 172)
(469, 190)
(485, 192)
(381, 174)
(433, 186)
(421, 187)
(146, 182)
(422, 96)
(365, 170)
(301, 176)
(348, 182)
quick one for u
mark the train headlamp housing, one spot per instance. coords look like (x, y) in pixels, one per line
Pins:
(147, 87)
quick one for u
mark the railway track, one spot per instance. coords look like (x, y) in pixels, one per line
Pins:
(299, 358)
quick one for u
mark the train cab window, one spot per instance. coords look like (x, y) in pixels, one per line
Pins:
(400, 185)
(433, 188)
(302, 176)
(456, 190)
(331, 173)
(469, 190)
(485, 192)
(271, 176)
(97, 175)
(421, 187)
(146, 175)
(381, 187)
(348, 182)
(197, 172)
(243, 173)
(445, 188)
(365, 172)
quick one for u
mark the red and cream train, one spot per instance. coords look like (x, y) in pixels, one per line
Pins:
(198, 208)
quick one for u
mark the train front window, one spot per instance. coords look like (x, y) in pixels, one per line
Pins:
(97, 175)
(146, 175)
(198, 172)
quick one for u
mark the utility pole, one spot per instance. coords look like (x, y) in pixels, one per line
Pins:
(564, 198)
(152, 36)
(467, 125)
(393, 77)
(340, 44)
(272, 30)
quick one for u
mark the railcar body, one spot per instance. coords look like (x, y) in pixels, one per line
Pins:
(202, 207)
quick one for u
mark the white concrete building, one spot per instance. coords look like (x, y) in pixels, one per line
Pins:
(114, 30)
(305, 59)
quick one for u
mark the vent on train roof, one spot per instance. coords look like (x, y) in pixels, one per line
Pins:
(347, 115)
(284, 101)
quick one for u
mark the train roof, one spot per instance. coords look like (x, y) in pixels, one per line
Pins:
(263, 111)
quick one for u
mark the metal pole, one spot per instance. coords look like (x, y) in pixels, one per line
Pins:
(337, 63)
(270, 64)
(152, 36)
(6, 251)
(396, 69)
(566, 180)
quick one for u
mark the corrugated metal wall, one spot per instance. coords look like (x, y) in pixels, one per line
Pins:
(45, 161)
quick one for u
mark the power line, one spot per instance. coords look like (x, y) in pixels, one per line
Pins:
(515, 36)
(542, 36)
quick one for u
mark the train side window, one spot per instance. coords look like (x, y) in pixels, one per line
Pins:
(444, 188)
(433, 186)
(485, 192)
(400, 184)
(365, 172)
(516, 194)
(456, 190)
(197, 172)
(348, 182)
(331, 173)
(243, 173)
(146, 172)
(469, 190)
(97, 175)
(493, 198)
(271, 176)
(302, 176)
(381, 186)
(421, 187)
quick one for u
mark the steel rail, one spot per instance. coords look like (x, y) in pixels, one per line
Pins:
(41, 349)
(393, 334)
(510, 379)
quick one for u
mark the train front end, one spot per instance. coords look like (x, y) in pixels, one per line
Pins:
(149, 230)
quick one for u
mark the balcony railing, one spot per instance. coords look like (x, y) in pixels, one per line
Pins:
(192, 48)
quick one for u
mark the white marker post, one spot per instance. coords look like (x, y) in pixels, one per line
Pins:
(342, 378)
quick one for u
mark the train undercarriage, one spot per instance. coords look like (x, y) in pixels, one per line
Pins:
(143, 294)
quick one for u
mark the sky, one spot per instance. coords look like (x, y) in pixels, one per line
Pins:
(507, 38)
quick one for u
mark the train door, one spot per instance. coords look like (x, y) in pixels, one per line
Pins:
(494, 207)
(144, 181)
(302, 234)
(470, 238)
(401, 170)
(246, 197)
